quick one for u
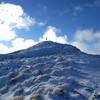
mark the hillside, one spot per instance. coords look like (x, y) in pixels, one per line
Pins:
(49, 71)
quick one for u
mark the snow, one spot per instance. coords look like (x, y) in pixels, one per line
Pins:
(50, 71)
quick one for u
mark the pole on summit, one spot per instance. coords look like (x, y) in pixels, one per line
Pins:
(46, 38)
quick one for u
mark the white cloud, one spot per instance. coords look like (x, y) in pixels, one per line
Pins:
(42, 23)
(88, 41)
(17, 44)
(3, 49)
(51, 35)
(6, 33)
(84, 35)
(21, 43)
(12, 17)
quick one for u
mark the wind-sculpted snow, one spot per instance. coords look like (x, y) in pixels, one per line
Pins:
(49, 71)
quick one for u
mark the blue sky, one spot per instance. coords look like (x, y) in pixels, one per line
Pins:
(75, 22)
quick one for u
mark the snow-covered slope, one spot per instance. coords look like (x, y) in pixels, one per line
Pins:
(49, 71)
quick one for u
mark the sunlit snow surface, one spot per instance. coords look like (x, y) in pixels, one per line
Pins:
(50, 71)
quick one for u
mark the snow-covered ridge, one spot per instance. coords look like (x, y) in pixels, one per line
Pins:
(43, 49)
(49, 71)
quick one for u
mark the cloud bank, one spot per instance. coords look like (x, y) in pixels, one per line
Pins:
(17, 44)
(88, 41)
(20, 43)
(13, 17)
(51, 35)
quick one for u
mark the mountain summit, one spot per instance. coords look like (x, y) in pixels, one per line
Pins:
(48, 48)
(49, 71)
